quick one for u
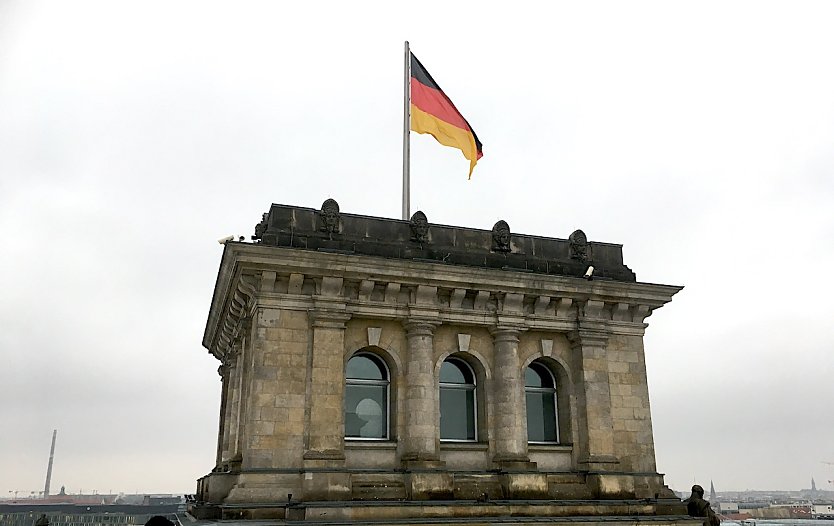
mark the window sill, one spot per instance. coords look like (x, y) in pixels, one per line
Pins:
(370, 444)
(464, 446)
(550, 448)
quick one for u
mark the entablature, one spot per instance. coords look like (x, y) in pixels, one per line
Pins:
(377, 288)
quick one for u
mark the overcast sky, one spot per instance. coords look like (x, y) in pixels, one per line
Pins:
(133, 135)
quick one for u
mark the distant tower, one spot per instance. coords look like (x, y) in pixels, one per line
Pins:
(49, 468)
(813, 484)
(711, 492)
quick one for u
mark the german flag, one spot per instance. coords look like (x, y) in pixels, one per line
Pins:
(432, 112)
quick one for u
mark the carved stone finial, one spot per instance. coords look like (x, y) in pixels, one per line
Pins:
(260, 228)
(419, 227)
(579, 246)
(501, 236)
(329, 216)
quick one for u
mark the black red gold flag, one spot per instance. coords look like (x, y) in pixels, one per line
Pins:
(434, 113)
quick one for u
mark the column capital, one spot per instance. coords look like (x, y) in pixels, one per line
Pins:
(328, 319)
(227, 362)
(423, 313)
(509, 333)
(588, 337)
(420, 326)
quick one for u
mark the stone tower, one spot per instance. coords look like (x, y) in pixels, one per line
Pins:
(369, 364)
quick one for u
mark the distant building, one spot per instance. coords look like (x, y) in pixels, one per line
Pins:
(82, 515)
(378, 363)
(162, 500)
(823, 511)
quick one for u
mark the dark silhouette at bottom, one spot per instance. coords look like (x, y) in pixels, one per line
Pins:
(159, 520)
(696, 506)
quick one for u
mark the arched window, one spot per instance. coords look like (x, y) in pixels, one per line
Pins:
(457, 401)
(540, 391)
(366, 397)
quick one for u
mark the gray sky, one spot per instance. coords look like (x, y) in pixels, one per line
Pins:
(133, 135)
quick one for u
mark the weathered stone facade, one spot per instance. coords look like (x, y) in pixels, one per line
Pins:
(317, 287)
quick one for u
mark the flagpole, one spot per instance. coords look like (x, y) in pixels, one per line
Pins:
(407, 137)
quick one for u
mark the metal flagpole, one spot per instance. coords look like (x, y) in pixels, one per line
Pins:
(407, 137)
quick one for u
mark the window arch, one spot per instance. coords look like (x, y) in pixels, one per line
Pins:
(540, 395)
(367, 394)
(458, 403)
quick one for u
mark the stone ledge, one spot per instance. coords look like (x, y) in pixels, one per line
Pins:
(464, 446)
(549, 448)
(466, 512)
(370, 444)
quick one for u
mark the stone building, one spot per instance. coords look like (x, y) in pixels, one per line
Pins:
(376, 369)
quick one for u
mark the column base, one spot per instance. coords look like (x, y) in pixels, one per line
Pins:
(507, 463)
(516, 465)
(327, 454)
(423, 464)
(324, 459)
(322, 485)
(524, 485)
(430, 485)
(598, 463)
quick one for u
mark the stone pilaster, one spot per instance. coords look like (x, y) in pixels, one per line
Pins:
(593, 400)
(509, 426)
(223, 431)
(234, 413)
(420, 442)
(325, 396)
(229, 373)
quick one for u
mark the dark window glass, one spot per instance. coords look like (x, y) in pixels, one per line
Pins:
(457, 414)
(366, 411)
(363, 367)
(542, 424)
(455, 373)
(457, 401)
(366, 398)
(541, 417)
(537, 376)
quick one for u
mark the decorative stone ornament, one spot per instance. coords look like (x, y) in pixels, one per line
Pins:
(579, 246)
(419, 225)
(501, 236)
(463, 342)
(374, 333)
(260, 228)
(329, 216)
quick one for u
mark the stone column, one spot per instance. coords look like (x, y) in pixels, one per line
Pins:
(420, 440)
(593, 400)
(509, 425)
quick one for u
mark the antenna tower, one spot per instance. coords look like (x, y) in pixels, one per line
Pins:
(49, 468)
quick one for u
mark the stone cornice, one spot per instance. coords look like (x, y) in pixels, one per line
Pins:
(359, 267)
(238, 305)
